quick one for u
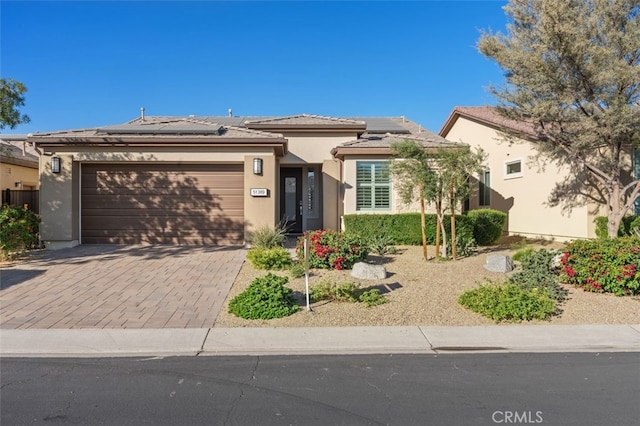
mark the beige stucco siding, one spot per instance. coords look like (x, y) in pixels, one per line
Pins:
(26, 177)
(59, 203)
(313, 148)
(523, 197)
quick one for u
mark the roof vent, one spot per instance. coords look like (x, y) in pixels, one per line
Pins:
(142, 114)
(230, 112)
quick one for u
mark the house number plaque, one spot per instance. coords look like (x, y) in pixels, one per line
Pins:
(259, 192)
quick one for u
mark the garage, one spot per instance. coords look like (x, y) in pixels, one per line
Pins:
(155, 203)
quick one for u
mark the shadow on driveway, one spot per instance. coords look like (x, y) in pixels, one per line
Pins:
(11, 277)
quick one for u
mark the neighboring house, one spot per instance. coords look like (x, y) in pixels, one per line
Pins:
(514, 183)
(18, 163)
(213, 180)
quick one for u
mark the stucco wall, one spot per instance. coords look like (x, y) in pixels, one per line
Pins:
(260, 211)
(525, 198)
(12, 173)
(59, 202)
(313, 148)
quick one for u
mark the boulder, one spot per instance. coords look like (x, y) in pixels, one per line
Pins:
(367, 271)
(499, 263)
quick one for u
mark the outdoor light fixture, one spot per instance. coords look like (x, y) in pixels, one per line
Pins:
(55, 164)
(257, 166)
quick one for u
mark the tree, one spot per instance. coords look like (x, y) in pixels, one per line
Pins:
(455, 165)
(572, 73)
(11, 98)
(413, 176)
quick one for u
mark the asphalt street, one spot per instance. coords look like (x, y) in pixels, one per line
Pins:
(451, 389)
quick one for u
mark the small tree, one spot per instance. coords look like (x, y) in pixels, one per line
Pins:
(455, 165)
(414, 177)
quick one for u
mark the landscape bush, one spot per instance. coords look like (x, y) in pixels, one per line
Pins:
(329, 249)
(296, 270)
(487, 225)
(265, 298)
(269, 236)
(345, 292)
(537, 272)
(274, 258)
(603, 265)
(508, 302)
(19, 229)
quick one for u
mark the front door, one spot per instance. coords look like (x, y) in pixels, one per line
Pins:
(291, 199)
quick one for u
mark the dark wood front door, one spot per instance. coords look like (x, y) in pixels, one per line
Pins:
(291, 199)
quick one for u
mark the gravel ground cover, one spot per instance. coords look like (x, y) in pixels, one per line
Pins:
(424, 293)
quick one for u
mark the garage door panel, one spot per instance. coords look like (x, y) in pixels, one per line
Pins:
(162, 204)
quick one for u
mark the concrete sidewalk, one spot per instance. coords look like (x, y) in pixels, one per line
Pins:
(307, 341)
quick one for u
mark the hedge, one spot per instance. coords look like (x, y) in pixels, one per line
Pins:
(627, 224)
(488, 225)
(404, 228)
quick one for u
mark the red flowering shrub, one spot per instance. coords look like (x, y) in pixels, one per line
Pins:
(603, 266)
(332, 250)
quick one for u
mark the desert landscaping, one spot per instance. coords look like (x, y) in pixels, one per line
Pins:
(425, 293)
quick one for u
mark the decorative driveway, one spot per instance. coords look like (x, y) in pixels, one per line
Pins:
(107, 286)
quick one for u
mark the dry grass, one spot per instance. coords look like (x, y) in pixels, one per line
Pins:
(426, 293)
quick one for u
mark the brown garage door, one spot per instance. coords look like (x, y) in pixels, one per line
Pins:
(162, 204)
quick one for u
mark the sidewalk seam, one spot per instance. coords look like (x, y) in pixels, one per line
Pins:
(426, 338)
(204, 341)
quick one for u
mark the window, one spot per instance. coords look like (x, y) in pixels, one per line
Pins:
(485, 188)
(311, 193)
(513, 169)
(373, 185)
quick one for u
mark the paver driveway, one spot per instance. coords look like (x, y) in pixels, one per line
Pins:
(106, 286)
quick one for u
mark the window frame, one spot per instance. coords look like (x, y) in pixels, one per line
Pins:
(510, 162)
(484, 189)
(373, 185)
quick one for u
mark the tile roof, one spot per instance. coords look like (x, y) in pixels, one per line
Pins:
(159, 127)
(381, 144)
(490, 116)
(306, 119)
(16, 151)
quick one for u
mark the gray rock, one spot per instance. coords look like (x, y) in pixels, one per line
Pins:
(499, 263)
(366, 271)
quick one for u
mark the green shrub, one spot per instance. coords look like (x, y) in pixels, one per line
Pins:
(487, 225)
(404, 228)
(326, 290)
(265, 298)
(508, 302)
(523, 253)
(372, 297)
(537, 272)
(297, 270)
(381, 244)
(269, 236)
(18, 230)
(346, 292)
(627, 225)
(333, 250)
(603, 265)
(269, 258)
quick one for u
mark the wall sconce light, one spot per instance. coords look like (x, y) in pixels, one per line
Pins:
(18, 184)
(55, 164)
(257, 166)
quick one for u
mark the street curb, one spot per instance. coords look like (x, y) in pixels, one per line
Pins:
(319, 340)
(101, 342)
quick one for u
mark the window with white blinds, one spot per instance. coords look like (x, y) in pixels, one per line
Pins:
(373, 185)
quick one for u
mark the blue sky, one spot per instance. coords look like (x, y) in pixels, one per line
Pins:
(92, 63)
